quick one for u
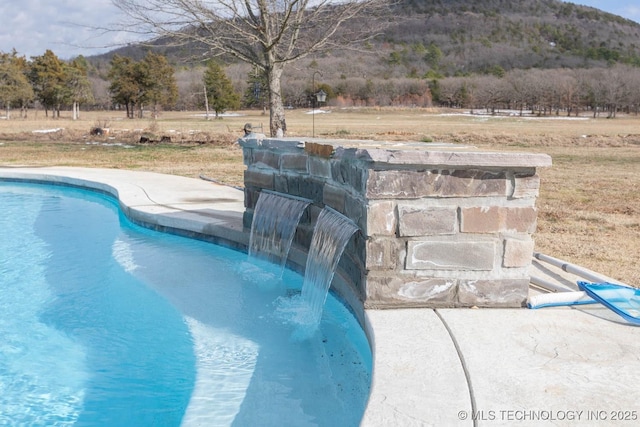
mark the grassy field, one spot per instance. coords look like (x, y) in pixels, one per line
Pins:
(588, 204)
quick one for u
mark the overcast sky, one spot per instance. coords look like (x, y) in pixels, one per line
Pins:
(33, 26)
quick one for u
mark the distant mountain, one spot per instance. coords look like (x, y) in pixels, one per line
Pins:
(454, 37)
(475, 36)
(428, 41)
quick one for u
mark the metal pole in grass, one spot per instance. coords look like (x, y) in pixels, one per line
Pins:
(314, 98)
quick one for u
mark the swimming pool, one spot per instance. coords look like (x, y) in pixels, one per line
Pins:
(108, 323)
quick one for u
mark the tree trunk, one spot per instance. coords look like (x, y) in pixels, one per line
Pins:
(276, 107)
(206, 102)
(75, 110)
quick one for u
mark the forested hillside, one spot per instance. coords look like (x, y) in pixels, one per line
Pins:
(477, 36)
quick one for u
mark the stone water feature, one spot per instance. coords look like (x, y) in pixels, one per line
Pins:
(275, 221)
(441, 225)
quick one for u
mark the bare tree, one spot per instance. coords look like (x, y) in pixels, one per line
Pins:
(268, 34)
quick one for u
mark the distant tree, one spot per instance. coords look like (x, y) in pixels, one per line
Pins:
(433, 56)
(151, 80)
(491, 92)
(124, 87)
(15, 88)
(268, 34)
(257, 93)
(47, 75)
(616, 90)
(77, 84)
(157, 82)
(221, 95)
(569, 91)
(450, 91)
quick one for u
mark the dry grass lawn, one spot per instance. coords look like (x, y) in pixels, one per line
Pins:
(588, 204)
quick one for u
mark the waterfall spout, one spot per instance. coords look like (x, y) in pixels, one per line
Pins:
(275, 220)
(331, 235)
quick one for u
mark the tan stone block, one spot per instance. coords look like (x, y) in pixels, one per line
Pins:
(493, 293)
(426, 221)
(448, 255)
(381, 219)
(494, 219)
(517, 252)
(482, 219)
(409, 291)
(520, 220)
(526, 187)
(403, 184)
(383, 254)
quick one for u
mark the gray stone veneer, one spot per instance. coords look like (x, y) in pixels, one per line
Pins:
(441, 225)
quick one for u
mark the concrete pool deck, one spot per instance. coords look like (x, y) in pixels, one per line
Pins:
(440, 367)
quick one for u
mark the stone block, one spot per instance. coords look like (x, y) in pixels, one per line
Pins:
(481, 219)
(259, 178)
(247, 219)
(303, 236)
(355, 210)
(520, 220)
(426, 221)
(381, 219)
(351, 269)
(321, 150)
(384, 254)
(403, 184)
(451, 255)
(294, 162)
(526, 186)
(247, 156)
(293, 184)
(281, 184)
(334, 197)
(251, 196)
(409, 291)
(494, 219)
(311, 188)
(493, 293)
(266, 159)
(349, 174)
(319, 167)
(517, 252)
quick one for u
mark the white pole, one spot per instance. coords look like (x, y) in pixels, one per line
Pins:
(206, 101)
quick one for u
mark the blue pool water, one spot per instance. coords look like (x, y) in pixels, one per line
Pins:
(106, 323)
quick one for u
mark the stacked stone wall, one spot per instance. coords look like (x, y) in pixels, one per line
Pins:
(435, 230)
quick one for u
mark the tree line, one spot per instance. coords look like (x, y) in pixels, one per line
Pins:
(544, 92)
(45, 78)
(152, 84)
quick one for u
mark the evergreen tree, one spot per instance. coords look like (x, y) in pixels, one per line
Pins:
(158, 82)
(134, 83)
(15, 88)
(47, 76)
(221, 95)
(124, 87)
(77, 84)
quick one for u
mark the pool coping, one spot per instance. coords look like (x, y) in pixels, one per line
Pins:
(431, 366)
